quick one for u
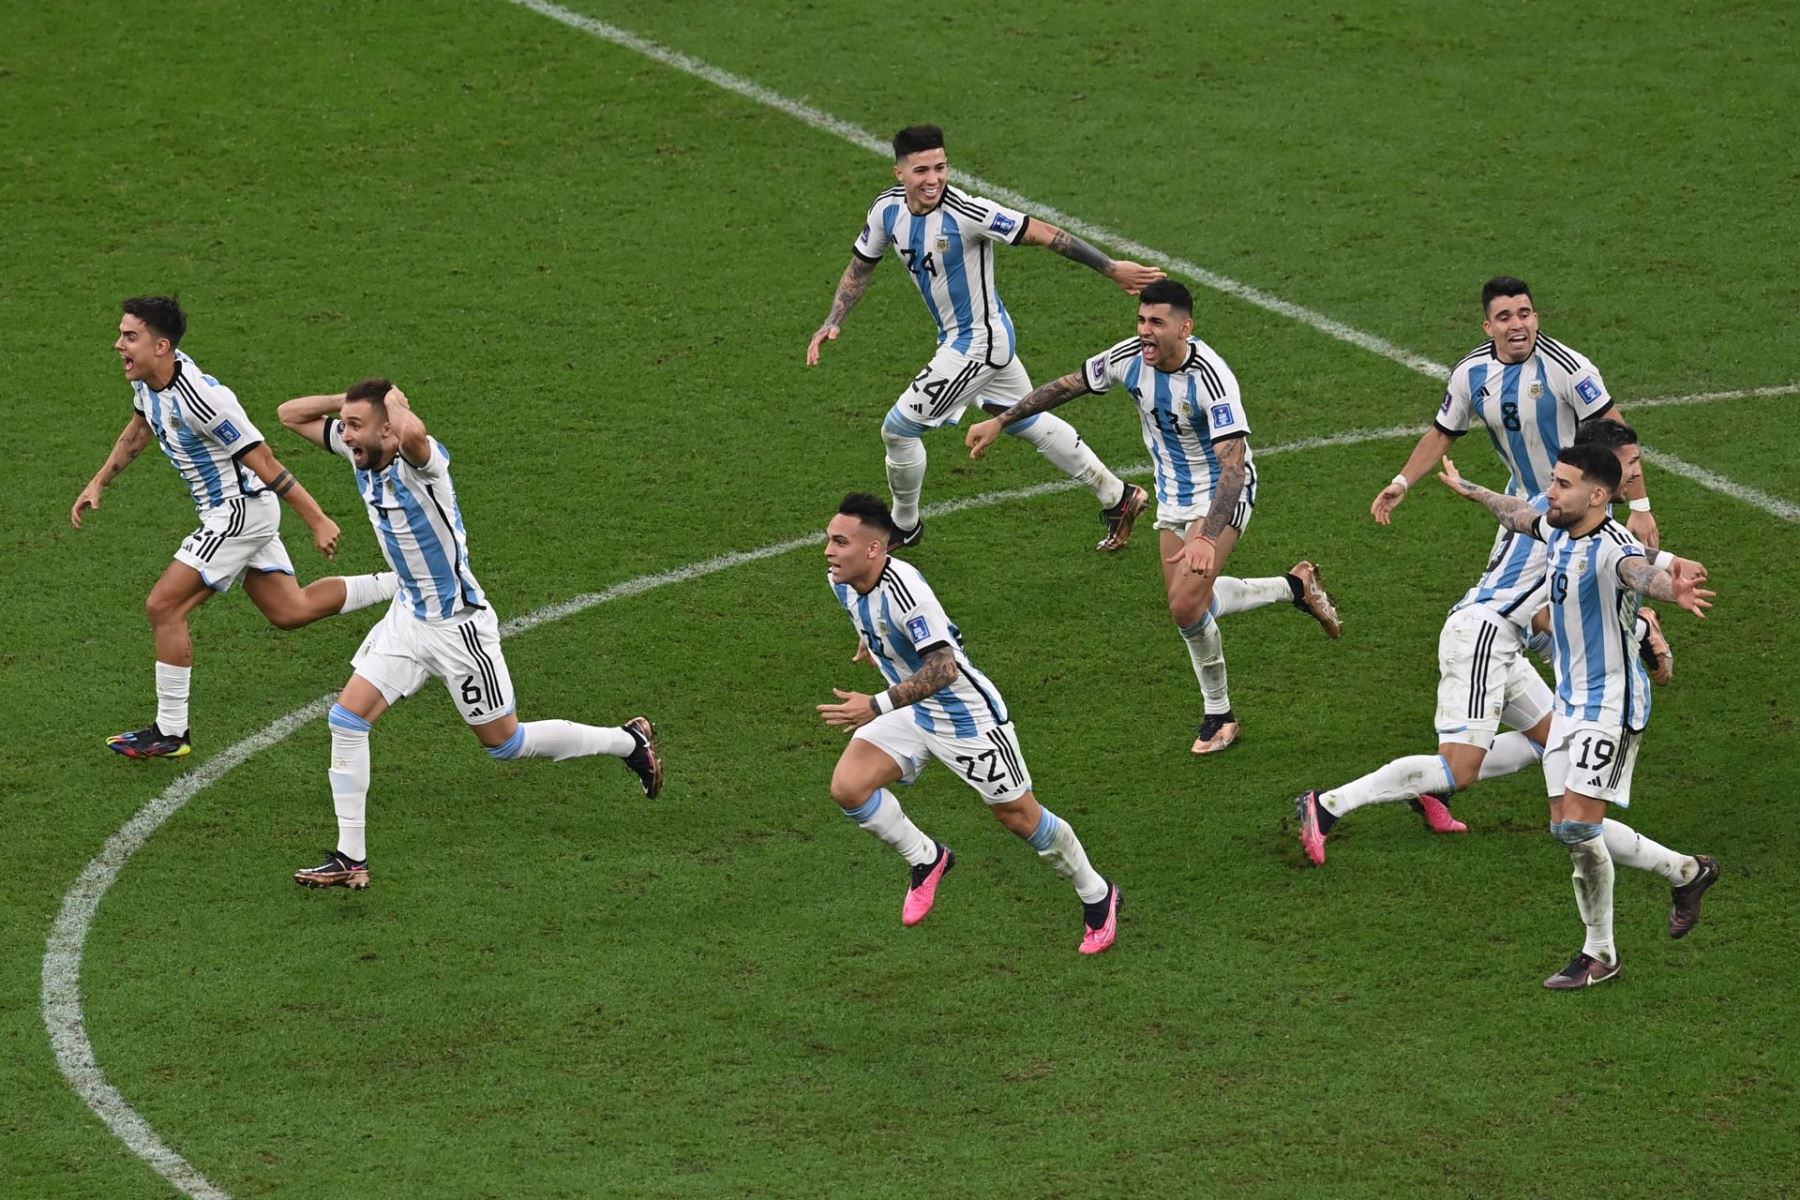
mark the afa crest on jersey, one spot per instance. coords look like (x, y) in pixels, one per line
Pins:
(1535, 391)
(943, 244)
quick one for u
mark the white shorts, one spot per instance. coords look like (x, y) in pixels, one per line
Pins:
(1485, 679)
(990, 762)
(402, 652)
(239, 535)
(950, 383)
(1590, 759)
(1181, 518)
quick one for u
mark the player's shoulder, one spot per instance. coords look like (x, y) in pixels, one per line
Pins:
(1481, 355)
(192, 379)
(886, 200)
(1122, 352)
(1617, 538)
(904, 583)
(1563, 357)
(1214, 372)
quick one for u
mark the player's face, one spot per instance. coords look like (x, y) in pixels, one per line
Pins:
(142, 350)
(367, 434)
(1631, 467)
(1512, 321)
(1163, 333)
(853, 551)
(1572, 497)
(924, 175)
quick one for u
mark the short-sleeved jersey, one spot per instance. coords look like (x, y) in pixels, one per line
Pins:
(901, 621)
(1530, 408)
(949, 252)
(1513, 584)
(1593, 618)
(1183, 413)
(203, 429)
(420, 527)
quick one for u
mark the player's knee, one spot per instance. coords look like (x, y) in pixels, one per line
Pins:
(161, 610)
(1017, 821)
(847, 792)
(1465, 774)
(288, 618)
(902, 448)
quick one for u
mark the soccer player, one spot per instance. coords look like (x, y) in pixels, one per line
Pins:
(1198, 437)
(236, 485)
(946, 239)
(1486, 679)
(1596, 574)
(1531, 392)
(439, 626)
(938, 706)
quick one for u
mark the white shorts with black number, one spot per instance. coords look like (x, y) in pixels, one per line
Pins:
(239, 535)
(402, 652)
(951, 382)
(990, 762)
(1485, 679)
(1590, 758)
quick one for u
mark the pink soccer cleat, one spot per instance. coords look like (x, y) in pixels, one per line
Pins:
(1312, 838)
(1437, 815)
(925, 879)
(1100, 937)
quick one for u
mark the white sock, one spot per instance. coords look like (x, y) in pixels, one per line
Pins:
(560, 740)
(906, 476)
(882, 816)
(1057, 845)
(1630, 848)
(360, 591)
(1057, 441)
(1207, 650)
(1512, 751)
(349, 776)
(1594, 897)
(1402, 779)
(172, 698)
(1231, 595)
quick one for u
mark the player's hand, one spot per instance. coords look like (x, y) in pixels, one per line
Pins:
(1196, 554)
(89, 498)
(852, 712)
(1451, 478)
(981, 435)
(1691, 596)
(1643, 527)
(1131, 277)
(1386, 501)
(325, 536)
(1687, 568)
(862, 654)
(826, 333)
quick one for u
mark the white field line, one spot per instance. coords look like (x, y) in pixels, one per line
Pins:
(857, 136)
(1775, 505)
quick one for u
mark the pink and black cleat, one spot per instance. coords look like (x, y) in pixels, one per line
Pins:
(1102, 920)
(1436, 814)
(925, 879)
(1312, 831)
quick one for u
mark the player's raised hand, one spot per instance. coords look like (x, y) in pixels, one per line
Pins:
(89, 498)
(981, 435)
(826, 333)
(1196, 554)
(397, 398)
(1131, 277)
(1689, 568)
(1386, 501)
(853, 711)
(325, 536)
(1690, 595)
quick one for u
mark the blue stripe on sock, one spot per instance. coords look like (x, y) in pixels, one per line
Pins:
(1046, 831)
(511, 747)
(343, 718)
(868, 808)
(1449, 775)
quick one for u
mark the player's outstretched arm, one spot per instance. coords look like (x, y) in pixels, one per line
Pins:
(983, 434)
(1680, 588)
(415, 439)
(1513, 512)
(261, 460)
(856, 709)
(850, 289)
(129, 444)
(1432, 446)
(1131, 277)
(308, 415)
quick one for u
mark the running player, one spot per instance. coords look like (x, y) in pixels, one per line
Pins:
(1198, 437)
(1531, 392)
(1596, 574)
(439, 626)
(939, 706)
(946, 239)
(236, 484)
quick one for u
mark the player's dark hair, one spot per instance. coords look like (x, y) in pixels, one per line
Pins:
(1596, 463)
(1503, 285)
(1614, 435)
(870, 510)
(915, 138)
(370, 391)
(1169, 292)
(161, 313)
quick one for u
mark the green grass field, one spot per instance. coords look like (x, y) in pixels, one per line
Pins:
(596, 276)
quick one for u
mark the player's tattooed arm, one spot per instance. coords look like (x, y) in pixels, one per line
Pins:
(938, 671)
(1131, 277)
(1513, 512)
(1076, 250)
(850, 289)
(1043, 399)
(1229, 488)
(129, 444)
(262, 463)
(1680, 588)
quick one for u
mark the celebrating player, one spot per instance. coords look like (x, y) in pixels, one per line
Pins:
(1596, 575)
(939, 706)
(439, 626)
(946, 238)
(235, 482)
(1198, 437)
(1531, 392)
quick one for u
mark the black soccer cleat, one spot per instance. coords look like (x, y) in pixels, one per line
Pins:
(908, 537)
(644, 761)
(1120, 518)
(150, 742)
(1686, 913)
(336, 871)
(1584, 970)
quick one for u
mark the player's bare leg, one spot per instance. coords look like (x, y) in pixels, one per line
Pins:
(177, 593)
(288, 605)
(860, 786)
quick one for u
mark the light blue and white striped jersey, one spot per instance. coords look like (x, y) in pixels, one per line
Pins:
(1183, 414)
(1593, 618)
(949, 252)
(420, 528)
(1530, 408)
(203, 429)
(1514, 584)
(901, 621)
